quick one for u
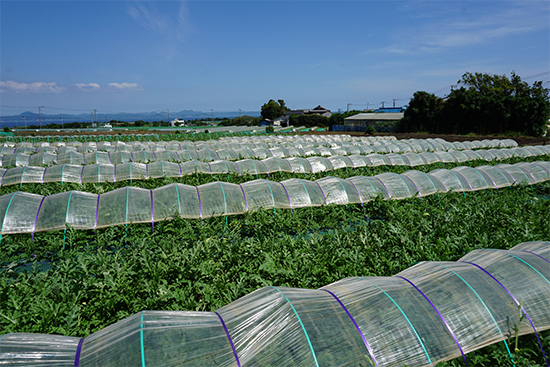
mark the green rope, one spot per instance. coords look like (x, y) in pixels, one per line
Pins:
(67, 218)
(487, 308)
(301, 324)
(408, 321)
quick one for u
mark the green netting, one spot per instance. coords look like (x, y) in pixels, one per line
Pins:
(429, 313)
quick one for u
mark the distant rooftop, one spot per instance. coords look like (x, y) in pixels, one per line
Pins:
(391, 116)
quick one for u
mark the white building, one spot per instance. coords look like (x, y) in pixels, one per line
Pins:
(174, 121)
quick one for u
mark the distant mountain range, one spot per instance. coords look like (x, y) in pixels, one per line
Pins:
(32, 118)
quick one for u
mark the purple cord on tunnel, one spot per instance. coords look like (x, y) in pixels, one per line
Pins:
(289, 203)
(532, 253)
(324, 196)
(244, 196)
(96, 211)
(517, 302)
(360, 198)
(354, 323)
(200, 206)
(36, 218)
(78, 352)
(266, 170)
(388, 191)
(419, 193)
(468, 182)
(440, 316)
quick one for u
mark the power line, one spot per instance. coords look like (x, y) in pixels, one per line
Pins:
(539, 74)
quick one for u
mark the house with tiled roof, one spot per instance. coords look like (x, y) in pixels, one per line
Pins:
(319, 110)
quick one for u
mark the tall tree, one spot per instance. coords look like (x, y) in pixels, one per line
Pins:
(421, 113)
(484, 104)
(271, 110)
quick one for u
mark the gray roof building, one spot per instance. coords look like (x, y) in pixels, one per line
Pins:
(319, 110)
(371, 118)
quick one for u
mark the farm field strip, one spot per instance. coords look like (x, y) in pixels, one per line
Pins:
(29, 213)
(104, 276)
(111, 272)
(206, 155)
(105, 172)
(364, 146)
(431, 312)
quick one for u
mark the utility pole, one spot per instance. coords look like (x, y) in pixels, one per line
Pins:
(212, 114)
(383, 103)
(168, 116)
(40, 116)
(92, 114)
(349, 104)
(395, 99)
(95, 116)
(239, 112)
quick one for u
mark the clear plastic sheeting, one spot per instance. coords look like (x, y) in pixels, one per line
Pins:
(429, 313)
(29, 213)
(112, 167)
(24, 154)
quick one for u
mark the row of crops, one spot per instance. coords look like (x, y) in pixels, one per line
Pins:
(239, 289)
(108, 172)
(409, 159)
(362, 145)
(29, 213)
(431, 312)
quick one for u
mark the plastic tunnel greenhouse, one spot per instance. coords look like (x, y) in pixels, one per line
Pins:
(431, 312)
(104, 153)
(23, 212)
(74, 170)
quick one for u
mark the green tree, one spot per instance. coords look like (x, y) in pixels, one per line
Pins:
(310, 120)
(484, 104)
(338, 118)
(489, 104)
(245, 120)
(271, 110)
(421, 113)
(293, 120)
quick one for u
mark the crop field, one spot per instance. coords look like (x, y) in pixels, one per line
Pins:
(76, 282)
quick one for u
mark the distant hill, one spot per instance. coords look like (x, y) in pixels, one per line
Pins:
(32, 118)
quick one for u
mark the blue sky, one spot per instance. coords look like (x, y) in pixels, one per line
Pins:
(122, 56)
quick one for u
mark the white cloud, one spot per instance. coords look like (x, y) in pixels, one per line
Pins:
(87, 87)
(125, 86)
(36, 87)
(451, 31)
(170, 24)
(42, 87)
(171, 27)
